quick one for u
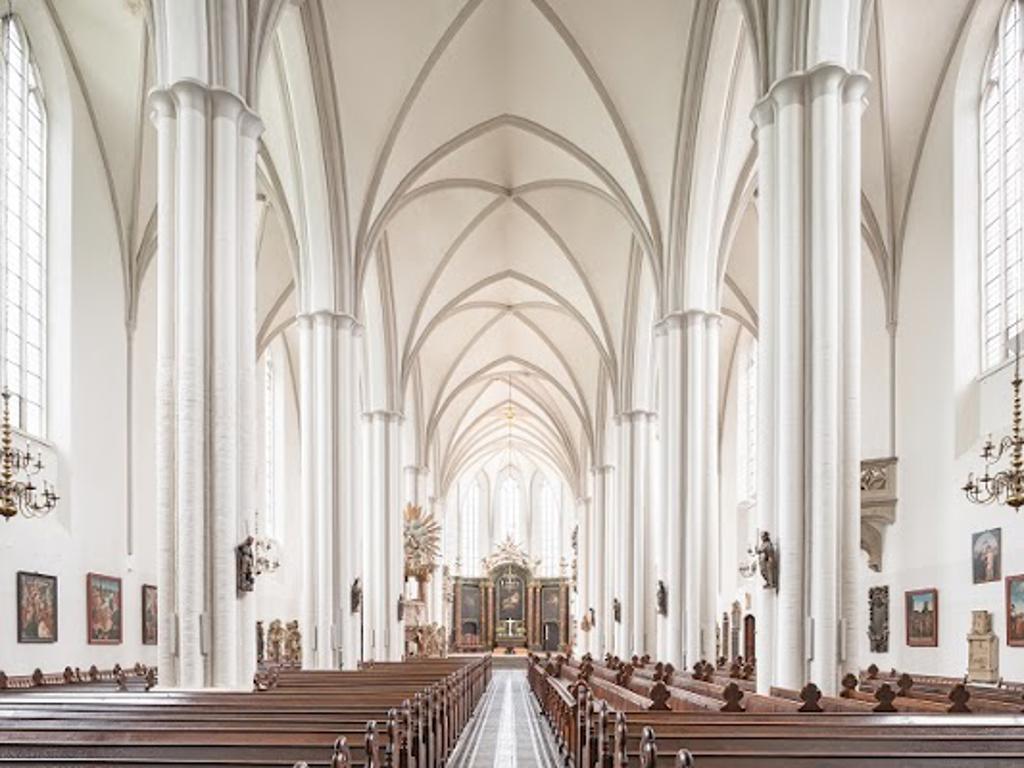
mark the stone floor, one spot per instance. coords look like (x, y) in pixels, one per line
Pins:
(507, 730)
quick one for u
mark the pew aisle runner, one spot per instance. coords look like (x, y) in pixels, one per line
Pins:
(507, 730)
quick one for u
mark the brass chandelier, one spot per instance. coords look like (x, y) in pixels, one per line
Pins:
(21, 495)
(1005, 486)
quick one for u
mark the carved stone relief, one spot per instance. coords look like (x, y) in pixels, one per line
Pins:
(878, 621)
(877, 505)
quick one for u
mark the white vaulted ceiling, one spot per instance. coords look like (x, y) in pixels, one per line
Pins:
(509, 168)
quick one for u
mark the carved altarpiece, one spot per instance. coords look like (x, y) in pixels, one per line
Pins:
(510, 607)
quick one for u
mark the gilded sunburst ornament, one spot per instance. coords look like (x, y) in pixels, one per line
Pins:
(422, 542)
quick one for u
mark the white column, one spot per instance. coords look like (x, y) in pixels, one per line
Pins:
(206, 386)
(601, 594)
(435, 588)
(689, 499)
(808, 130)
(329, 353)
(672, 418)
(634, 492)
(382, 546)
(710, 508)
(584, 586)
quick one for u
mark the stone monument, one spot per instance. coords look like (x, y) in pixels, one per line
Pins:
(982, 649)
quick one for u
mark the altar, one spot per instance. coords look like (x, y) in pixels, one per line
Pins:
(509, 607)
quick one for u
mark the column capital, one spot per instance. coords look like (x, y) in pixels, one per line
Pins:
(189, 93)
(801, 86)
(384, 415)
(603, 469)
(683, 318)
(418, 469)
(582, 501)
(636, 416)
(326, 316)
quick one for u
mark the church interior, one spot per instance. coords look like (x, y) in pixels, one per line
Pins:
(500, 382)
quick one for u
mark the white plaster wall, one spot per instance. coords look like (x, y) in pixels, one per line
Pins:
(943, 409)
(88, 413)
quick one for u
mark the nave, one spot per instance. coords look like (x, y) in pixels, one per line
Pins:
(507, 730)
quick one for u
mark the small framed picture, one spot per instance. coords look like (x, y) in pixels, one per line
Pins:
(923, 618)
(1015, 610)
(37, 608)
(986, 555)
(103, 602)
(149, 615)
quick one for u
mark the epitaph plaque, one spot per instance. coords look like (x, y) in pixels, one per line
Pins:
(982, 649)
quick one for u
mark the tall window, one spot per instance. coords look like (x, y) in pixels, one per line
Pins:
(550, 524)
(469, 529)
(269, 463)
(23, 250)
(746, 470)
(509, 502)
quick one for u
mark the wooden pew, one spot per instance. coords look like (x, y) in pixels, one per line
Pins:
(310, 719)
(811, 730)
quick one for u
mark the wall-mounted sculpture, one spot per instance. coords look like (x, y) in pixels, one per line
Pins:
(768, 561)
(877, 505)
(878, 619)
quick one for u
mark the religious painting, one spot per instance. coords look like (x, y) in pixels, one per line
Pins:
(149, 616)
(511, 600)
(923, 618)
(37, 608)
(103, 602)
(551, 603)
(986, 555)
(1015, 610)
(469, 621)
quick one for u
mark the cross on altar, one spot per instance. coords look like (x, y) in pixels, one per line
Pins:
(511, 623)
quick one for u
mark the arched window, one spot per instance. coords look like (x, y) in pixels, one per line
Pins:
(269, 458)
(469, 528)
(550, 524)
(1001, 190)
(23, 247)
(509, 504)
(746, 469)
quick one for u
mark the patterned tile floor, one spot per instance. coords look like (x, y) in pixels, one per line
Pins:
(508, 730)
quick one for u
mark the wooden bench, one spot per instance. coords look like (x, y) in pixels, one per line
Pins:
(787, 729)
(401, 715)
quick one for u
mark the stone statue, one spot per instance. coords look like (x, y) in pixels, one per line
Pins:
(616, 610)
(293, 644)
(275, 641)
(260, 642)
(662, 598)
(355, 596)
(245, 562)
(767, 561)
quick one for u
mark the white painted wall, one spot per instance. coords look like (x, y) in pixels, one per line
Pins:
(88, 415)
(944, 409)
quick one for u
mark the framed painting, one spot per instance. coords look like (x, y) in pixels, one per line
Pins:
(149, 615)
(37, 608)
(923, 618)
(103, 603)
(1015, 610)
(987, 555)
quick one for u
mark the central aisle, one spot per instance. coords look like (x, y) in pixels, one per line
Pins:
(507, 730)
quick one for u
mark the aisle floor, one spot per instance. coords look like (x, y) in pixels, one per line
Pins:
(507, 730)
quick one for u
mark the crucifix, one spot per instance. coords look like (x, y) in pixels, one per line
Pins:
(511, 623)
